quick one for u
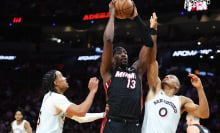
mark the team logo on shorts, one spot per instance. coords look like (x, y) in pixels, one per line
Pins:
(163, 112)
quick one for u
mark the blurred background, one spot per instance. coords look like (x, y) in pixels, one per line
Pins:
(39, 35)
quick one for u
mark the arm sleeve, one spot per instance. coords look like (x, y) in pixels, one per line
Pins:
(145, 32)
(61, 102)
(89, 117)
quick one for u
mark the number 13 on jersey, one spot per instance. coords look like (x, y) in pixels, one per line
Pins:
(131, 83)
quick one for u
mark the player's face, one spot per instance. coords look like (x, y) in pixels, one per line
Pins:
(121, 57)
(172, 81)
(60, 81)
(18, 116)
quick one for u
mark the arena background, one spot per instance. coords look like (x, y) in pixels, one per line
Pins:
(36, 36)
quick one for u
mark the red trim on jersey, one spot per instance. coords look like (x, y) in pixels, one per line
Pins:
(106, 88)
(142, 101)
(103, 125)
(106, 93)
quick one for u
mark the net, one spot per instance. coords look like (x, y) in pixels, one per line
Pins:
(196, 5)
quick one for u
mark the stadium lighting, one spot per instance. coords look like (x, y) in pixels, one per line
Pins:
(3, 57)
(87, 58)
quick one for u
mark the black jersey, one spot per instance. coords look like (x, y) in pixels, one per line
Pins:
(202, 129)
(124, 94)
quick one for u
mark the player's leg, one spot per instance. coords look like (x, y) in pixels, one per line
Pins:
(134, 128)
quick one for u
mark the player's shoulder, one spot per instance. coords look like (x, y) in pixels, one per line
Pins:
(54, 94)
(184, 99)
(135, 64)
(26, 122)
(57, 96)
(13, 122)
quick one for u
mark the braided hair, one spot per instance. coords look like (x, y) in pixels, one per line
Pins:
(48, 81)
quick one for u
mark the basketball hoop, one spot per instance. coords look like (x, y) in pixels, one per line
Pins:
(196, 5)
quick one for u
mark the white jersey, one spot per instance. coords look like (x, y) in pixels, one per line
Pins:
(52, 113)
(162, 114)
(18, 128)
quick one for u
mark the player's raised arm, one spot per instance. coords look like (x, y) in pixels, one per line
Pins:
(83, 108)
(108, 37)
(152, 68)
(201, 110)
(146, 50)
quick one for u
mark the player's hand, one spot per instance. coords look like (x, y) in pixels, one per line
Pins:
(153, 21)
(196, 82)
(106, 110)
(111, 8)
(93, 84)
(135, 13)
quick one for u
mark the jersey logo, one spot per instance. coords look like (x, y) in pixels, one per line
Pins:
(131, 83)
(125, 74)
(163, 112)
(130, 69)
(158, 101)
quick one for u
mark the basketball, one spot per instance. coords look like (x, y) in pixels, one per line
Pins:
(123, 8)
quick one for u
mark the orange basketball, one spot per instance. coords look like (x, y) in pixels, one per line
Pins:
(123, 8)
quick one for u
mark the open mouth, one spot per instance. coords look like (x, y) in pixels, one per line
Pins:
(166, 78)
(124, 59)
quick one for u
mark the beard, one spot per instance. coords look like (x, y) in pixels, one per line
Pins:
(123, 66)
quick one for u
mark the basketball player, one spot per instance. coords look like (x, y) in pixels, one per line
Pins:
(193, 125)
(56, 106)
(162, 107)
(121, 82)
(19, 125)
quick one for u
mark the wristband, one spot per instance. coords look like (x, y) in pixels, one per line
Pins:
(153, 31)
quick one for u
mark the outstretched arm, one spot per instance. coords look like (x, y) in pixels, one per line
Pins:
(201, 110)
(108, 37)
(89, 117)
(152, 68)
(83, 108)
(149, 42)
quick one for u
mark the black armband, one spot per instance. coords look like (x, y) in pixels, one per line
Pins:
(145, 32)
(153, 31)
